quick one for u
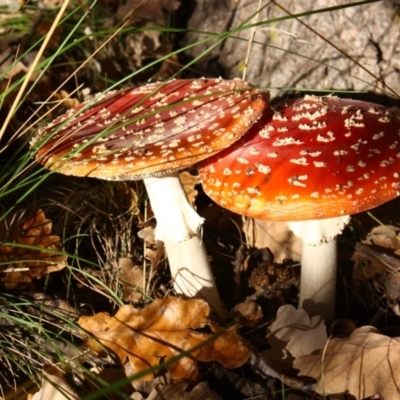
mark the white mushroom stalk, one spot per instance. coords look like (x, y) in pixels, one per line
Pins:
(319, 263)
(149, 133)
(179, 227)
(315, 161)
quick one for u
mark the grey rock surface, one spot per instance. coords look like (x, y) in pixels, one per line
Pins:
(353, 48)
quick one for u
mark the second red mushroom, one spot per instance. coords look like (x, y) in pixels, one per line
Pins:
(311, 163)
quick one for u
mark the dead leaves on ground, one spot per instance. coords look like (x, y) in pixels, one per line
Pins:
(132, 280)
(363, 364)
(377, 260)
(179, 390)
(297, 332)
(164, 330)
(28, 249)
(56, 387)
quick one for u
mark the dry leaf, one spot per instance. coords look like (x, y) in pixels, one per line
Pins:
(50, 3)
(178, 390)
(250, 311)
(36, 257)
(377, 259)
(377, 253)
(65, 99)
(11, 68)
(54, 386)
(363, 364)
(302, 334)
(189, 182)
(386, 236)
(147, 234)
(292, 335)
(275, 236)
(163, 330)
(151, 10)
(131, 278)
(59, 306)
(155, 250)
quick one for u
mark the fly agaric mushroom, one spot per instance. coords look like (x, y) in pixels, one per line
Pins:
(149, 133)
(311, 163)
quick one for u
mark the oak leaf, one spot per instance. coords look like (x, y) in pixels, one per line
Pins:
(301, 334)
(292, 335)
(364, 364)
(161, 331)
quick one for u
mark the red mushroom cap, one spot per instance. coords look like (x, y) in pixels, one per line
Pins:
(313, 158)
(153, 129)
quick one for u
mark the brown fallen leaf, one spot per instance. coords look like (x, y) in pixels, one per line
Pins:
(161, 331)
(131, 278)
(27, 248)
(377, 259)
(151, 10)
(292, 335)
(189, 181)
(302, 334)
(385, 236)
(54, 386)
(250, 312)
(364, 364)
(65, 99)
(275, 236)
(179, 390)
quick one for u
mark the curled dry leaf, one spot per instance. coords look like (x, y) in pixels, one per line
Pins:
(155, 250)
(364, 364)
(386, 236)
(65, 99)
(161, 331)
(250, 311)
(189, 182)
(374, 255)
(28, 250)
(131, 278)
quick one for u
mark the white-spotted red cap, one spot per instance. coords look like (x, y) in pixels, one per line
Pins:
(149, 130)
(313, 158)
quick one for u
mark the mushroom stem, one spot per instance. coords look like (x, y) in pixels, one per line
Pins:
(318, 263)
(178, 226)
(318, 279)
(176, 218)
(191, 271)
